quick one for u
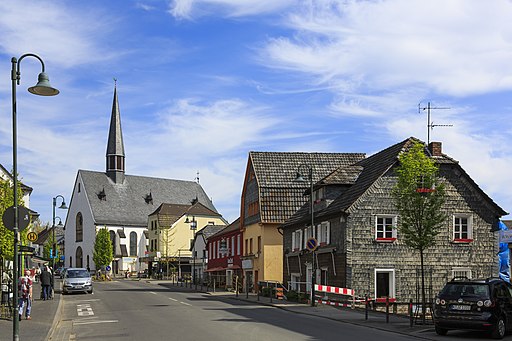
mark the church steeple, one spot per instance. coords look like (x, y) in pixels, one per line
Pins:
(115, 146)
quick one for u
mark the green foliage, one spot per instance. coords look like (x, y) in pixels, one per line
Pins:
(6, 235)
(421, 214)
(48, 245)
(103, 253)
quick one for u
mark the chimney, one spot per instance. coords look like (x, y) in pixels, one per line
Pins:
(435, 148)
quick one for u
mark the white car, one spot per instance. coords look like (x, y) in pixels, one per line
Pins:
(77, 279)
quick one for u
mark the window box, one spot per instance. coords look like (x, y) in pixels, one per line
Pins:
(463, 241)
(385, 240)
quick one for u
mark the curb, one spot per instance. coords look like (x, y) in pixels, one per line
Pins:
(56, 319)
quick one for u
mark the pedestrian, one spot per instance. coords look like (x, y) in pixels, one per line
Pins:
(46, 281)
(25, 297)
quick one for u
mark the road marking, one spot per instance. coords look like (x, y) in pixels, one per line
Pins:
(95, 322)
(84, 310)
(186, 303)
(173, 299)
(154, 293)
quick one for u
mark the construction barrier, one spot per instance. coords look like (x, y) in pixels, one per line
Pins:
(279, 293)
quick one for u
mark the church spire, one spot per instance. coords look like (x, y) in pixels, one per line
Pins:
(115, 146)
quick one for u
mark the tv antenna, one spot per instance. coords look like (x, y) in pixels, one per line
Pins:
(430, 124)
(197, 177)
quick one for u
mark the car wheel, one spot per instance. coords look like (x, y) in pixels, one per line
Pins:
(499, 330)
(441, 331)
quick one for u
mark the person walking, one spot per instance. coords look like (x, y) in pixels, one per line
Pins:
(25, 298)
(46, 281)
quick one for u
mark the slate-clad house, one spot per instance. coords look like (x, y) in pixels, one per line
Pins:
(120, 203)
(224, 250)
(355, 223)
(270, 195)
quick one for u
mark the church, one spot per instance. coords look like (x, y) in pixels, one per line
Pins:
(121, 203)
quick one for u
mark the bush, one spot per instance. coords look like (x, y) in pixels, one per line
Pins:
(266, 291)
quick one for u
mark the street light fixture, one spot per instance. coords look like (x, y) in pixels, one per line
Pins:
(54, 243)
(42, 88)
(300, 178)
(193, 227)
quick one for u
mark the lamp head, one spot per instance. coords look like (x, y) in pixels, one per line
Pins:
(63, 205)
(299, 178)
(60, 224)
(43, 87)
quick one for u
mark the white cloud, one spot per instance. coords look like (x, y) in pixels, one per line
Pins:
(459, 48)
(231, 8)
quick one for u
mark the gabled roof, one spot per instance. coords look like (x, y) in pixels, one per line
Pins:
(24, 187)
(280, 195)
(369, 171)
(168, 214)
(210, 230)
(234, 226)
(127, 204)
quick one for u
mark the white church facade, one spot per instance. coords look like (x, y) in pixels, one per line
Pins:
(122, 204)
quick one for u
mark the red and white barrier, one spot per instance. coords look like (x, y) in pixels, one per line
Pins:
(334, 290)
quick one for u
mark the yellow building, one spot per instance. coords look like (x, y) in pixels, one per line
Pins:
(270, 195)
(171, 231)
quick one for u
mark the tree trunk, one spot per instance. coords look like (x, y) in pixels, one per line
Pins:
(423, 301)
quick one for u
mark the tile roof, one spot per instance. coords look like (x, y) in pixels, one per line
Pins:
(210, 230)
(234, 226)
(368, 171)
(168, 214)
(280, 195)
(124, 204)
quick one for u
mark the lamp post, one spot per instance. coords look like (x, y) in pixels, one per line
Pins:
(193, 227)
(42, 88)
(300, 178)
(54, 243)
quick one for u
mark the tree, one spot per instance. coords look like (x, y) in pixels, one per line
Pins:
(6, 235)
(167, 238)
(419, 196)
(103, 253)
(48, 246)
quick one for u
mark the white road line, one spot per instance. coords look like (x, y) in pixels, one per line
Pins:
(84, 310)
(93, 300)
(154, 293)
(95, 322)
(186, 303)
(173, 299)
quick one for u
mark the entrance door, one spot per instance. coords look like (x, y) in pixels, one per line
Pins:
(384, 283)
(249, 281)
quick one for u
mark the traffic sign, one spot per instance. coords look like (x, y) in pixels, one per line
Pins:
(32, 236)
(311, 244)
(108, 268)
(24, 248)
(23, 218)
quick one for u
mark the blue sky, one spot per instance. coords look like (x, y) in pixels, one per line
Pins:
(203, 82)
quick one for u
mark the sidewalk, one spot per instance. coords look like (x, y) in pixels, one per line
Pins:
(43, 315)
(377, 320)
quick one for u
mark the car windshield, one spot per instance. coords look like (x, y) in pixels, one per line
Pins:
(77, 274)
(456, 290)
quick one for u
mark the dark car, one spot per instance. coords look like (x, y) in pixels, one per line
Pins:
(484, 304)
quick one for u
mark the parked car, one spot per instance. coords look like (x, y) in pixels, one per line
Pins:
(77, 279)
(484, 304)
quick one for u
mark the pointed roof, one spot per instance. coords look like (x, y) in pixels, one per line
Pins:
(115, 144)
(368, 171)
(168, 214)
(280, 196)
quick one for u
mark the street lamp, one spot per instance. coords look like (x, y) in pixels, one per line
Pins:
(54, 243)
(193, 227)
(300, 178)
(42, 88)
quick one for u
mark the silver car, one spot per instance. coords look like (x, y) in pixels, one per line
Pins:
(77, 279)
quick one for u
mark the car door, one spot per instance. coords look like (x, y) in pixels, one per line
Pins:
(507, 306)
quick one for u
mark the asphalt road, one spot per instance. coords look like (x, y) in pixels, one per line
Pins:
(132, 310)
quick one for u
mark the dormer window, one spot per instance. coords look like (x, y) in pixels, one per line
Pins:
(319, 194)
(148, 198)
(101, 195)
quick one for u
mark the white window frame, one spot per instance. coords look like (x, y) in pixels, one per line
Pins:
(392, 282)
(238, 251)
(324, 233)
(461, 272)
(386, 236)
(457, 234)
(297, 240)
